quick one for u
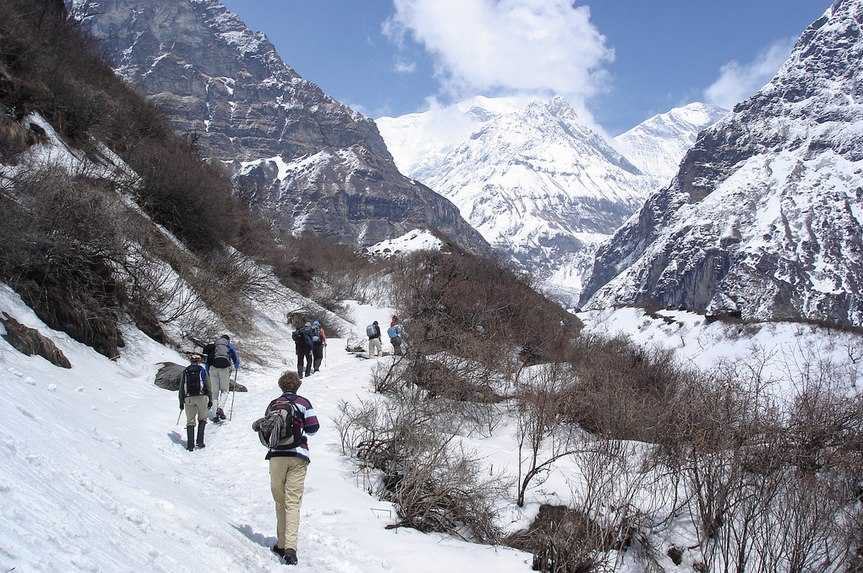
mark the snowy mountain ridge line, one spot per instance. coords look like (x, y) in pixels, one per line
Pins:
(779, 349)
(657, 145)
(763, 216)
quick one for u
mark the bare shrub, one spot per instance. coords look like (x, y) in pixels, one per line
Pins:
(543, 432)
(14, 139)
(190, 198)
(61, 246)
(564, 540)
(474, 308)
(433, 483)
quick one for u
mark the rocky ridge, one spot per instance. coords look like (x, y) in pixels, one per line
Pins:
(228, 88)
(764, 217)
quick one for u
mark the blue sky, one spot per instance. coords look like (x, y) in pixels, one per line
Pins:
(624, 60)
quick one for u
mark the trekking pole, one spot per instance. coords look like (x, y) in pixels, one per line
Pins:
(233, 394)
(177, 423)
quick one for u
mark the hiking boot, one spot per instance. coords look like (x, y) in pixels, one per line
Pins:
(221, 414)
(278, 551)
(290, 557)
(201, 425)
(190, 438)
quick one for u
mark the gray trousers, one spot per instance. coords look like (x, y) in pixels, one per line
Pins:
(375, 346)
(196, 409)
(220, 385)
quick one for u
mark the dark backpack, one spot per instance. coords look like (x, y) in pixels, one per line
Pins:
(193, 380)
(282, 426)
(371, 331)
(221, 354)
(315, 334)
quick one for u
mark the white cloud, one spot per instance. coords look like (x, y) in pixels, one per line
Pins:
(404, 67)
(483, 46)
(738, 81)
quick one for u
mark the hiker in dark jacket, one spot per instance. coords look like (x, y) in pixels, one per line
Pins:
(196, 399)
(288, 466)
(373, 331)
(303, 347)
(319, 341)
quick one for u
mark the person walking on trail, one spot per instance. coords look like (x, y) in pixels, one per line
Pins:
(284, 429)
(303, 347)
(396, 335)
(319, 341)
(224, 355)
(373, 331)
(195, 398)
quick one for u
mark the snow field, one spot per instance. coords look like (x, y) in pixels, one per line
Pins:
(95, 477)
(785, 349)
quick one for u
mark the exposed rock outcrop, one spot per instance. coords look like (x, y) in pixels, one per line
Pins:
(227, 87)
(764, 216)
(30, 342)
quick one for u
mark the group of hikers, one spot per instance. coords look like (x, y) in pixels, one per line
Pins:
(395, 333)
(288, 419)
(204, 388)
(310, 343)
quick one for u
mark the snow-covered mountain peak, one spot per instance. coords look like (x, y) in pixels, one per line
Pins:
(657, 145)
(531, 175)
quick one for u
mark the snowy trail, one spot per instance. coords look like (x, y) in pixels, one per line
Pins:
(92, 477)
(342, 527)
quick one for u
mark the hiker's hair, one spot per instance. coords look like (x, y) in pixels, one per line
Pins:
(289, 381)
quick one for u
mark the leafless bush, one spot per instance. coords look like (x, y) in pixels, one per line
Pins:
(434, 484)
(543, 433)
(564, 540)
(474, 308)
(473, 402)
(14, 139)
(61, 243)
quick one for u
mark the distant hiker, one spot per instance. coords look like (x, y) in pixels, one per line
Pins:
(195, 398)
(287, 421)
(220, 356)
(373, 331)
(302, 338)
(396, 335)
(319, 340)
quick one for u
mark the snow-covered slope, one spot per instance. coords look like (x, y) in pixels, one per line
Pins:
(408, 243)
(781, 351)
(657, 145)
(533, 177)
(764, 217)
(95, 478)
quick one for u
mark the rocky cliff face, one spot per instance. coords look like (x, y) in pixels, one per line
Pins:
(215, 78)
(765, 216)
(532, 177)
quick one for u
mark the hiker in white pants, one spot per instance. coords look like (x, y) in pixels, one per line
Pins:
(221, 355)
(373, 331)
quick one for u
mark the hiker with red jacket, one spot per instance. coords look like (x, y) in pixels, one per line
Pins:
(287, 422)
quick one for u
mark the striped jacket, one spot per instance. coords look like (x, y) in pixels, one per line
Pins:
(310, 426)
